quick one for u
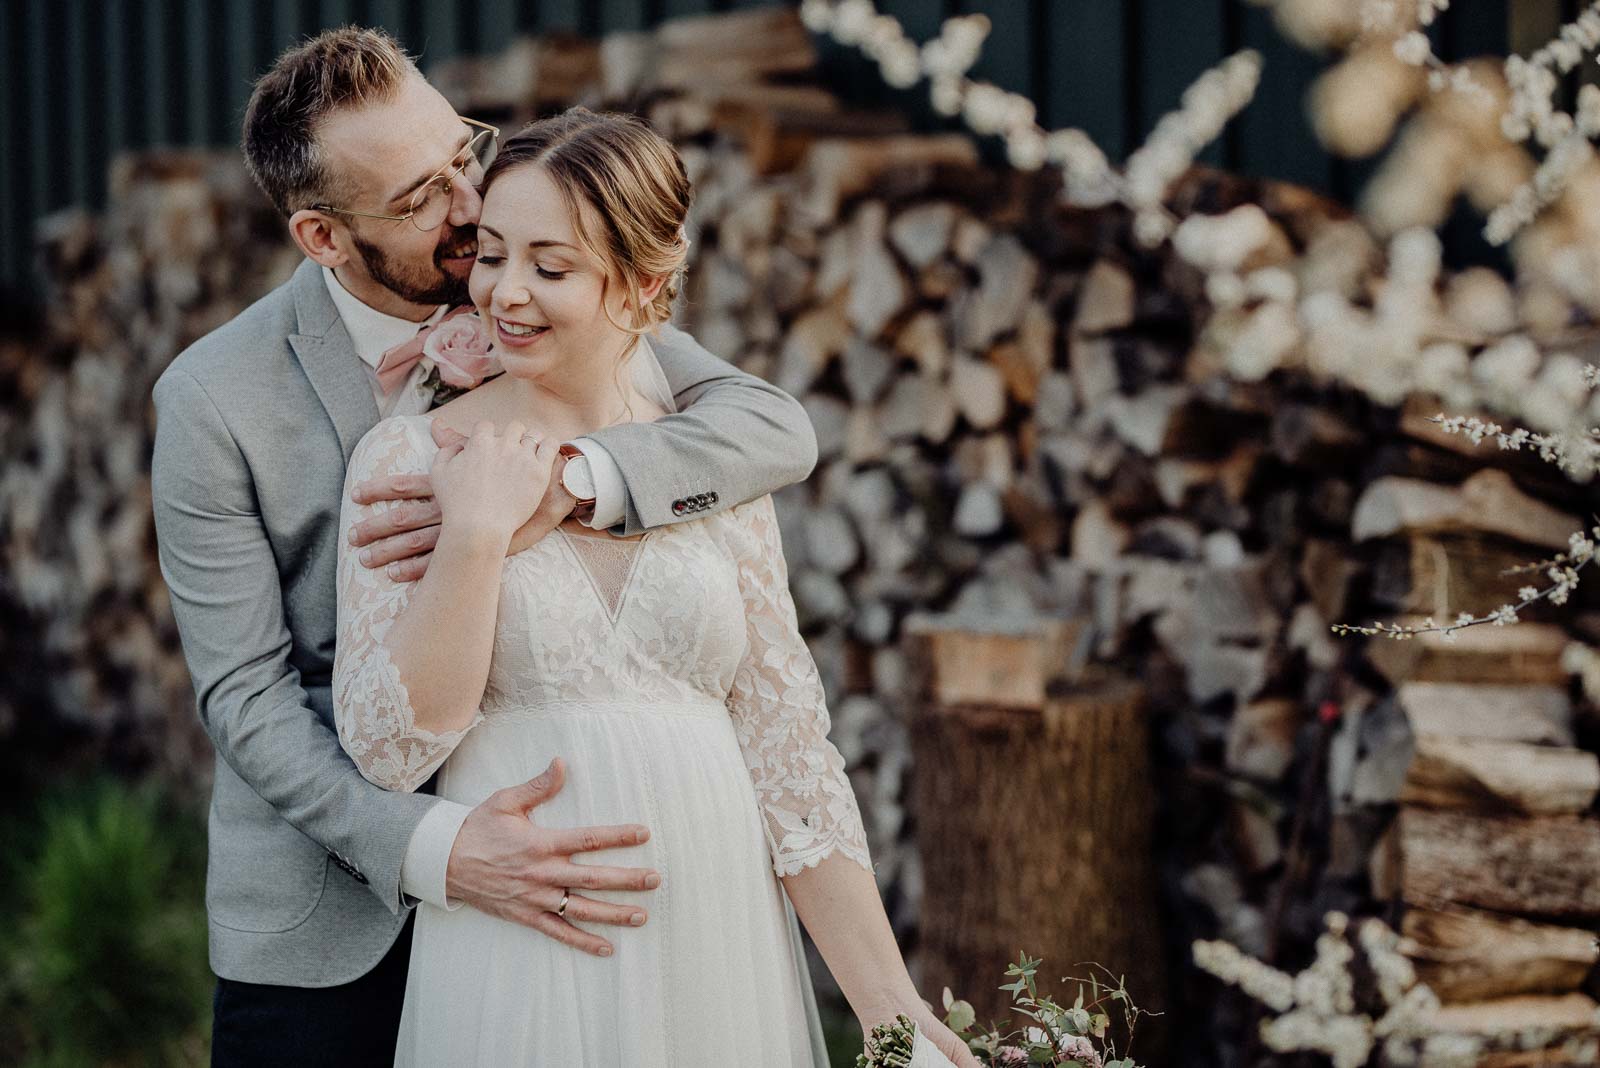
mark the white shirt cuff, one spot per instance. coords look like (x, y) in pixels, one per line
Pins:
(422, 872)
(610, 492)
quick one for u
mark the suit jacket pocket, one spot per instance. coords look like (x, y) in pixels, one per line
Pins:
(262, 875)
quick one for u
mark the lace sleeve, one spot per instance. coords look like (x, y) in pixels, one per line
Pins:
(370, 705)
(780, 713)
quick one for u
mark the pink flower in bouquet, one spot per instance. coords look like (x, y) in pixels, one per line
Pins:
(1078, 1048)
(1007, 1056)
(461, 349)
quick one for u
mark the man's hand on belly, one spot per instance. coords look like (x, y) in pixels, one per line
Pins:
(507, 866)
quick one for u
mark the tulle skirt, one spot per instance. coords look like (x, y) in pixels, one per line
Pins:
(716, 976)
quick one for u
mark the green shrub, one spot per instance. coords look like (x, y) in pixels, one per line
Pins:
(107, 964)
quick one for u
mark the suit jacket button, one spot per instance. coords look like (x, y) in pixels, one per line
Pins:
(678, 507)
(712, 497)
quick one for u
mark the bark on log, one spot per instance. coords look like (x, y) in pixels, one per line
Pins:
(1563, 1014)
(1446, 574)
(1524, 866)
(1467, 955)
(1482, 775)
(1527, 653)
(1488, 502)
(1017, 810)
(1536, 714)
(834, 170)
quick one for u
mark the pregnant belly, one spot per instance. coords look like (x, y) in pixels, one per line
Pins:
(677, 770)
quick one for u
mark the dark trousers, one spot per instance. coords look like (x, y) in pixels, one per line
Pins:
(352, 1026)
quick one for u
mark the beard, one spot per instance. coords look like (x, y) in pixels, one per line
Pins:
(419, 285)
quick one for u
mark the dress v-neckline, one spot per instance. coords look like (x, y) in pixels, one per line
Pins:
(609, 564)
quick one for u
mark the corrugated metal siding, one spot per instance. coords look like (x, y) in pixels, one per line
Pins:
(86, 79)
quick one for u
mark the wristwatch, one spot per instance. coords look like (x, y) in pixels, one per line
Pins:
(576, 478)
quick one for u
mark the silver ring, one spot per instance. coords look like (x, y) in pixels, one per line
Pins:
(561, 909)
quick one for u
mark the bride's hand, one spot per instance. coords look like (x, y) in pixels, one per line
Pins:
(934, 1029)
(493, 482)
(947, 1041)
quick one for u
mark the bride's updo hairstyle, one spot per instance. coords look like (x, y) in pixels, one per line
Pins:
(636, 190)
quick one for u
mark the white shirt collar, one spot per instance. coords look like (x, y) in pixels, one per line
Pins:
(373, 332)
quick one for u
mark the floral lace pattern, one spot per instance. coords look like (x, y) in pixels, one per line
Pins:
(703, 617)
(780, 711)
(370, 703)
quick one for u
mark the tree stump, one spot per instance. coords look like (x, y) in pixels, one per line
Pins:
(1032, 800)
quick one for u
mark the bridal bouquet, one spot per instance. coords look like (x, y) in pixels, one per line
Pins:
(1047, 1032)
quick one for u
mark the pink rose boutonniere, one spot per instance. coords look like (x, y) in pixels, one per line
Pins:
(462, 353)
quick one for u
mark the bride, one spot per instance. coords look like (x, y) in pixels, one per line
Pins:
(667, 669)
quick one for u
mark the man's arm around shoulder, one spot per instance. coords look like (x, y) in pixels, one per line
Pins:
(734, 438)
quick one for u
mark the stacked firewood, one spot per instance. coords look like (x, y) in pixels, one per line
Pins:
(1019, 417)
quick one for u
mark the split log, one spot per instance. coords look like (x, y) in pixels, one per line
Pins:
(878, 291)
(999, 777)
(1017, 371)
(979, 391)
(813, 340)
(917, 405)
(1326, 569)
(922, 339)
(867, 370)
(1488, 502)
(777, 125)
(1566, 1014)
(1539, 715)
(1526, 653)
(922, 233)
(834, 170)
(1467, 955)
(1261, 738)
(1442, 575)
(1093, 365)
(736, 48)
(1177, 478)
(1525, 465)
(528, 77)
(1524, 866)
(1097, 537)
(1007, 274)
(1105, 299)
(1307, 436)
(1472, 773)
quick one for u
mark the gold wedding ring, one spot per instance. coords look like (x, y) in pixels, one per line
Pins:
(561, 909)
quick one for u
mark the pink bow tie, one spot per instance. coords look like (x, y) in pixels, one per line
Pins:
(397, 362)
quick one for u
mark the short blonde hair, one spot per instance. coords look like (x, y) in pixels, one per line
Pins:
(343, 68)
(635, 183)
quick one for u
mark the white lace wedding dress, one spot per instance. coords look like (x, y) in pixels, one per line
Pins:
(669, 674)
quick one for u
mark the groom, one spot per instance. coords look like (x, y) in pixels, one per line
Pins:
(312, 870)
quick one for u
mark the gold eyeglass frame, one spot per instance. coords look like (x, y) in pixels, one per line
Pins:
(449, 174)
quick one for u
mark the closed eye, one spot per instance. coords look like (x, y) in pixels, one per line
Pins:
(554, 276)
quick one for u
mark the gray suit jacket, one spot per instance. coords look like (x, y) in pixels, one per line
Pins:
(255, 423)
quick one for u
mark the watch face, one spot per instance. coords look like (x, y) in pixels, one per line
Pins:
(578, 479)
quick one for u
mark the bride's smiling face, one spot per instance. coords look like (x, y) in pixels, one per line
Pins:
(541, 293)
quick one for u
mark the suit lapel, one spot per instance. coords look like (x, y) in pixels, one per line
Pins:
(329, 359)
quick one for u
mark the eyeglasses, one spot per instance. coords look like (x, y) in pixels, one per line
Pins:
(430, 204)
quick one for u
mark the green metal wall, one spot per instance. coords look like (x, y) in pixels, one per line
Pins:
(84, 79)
